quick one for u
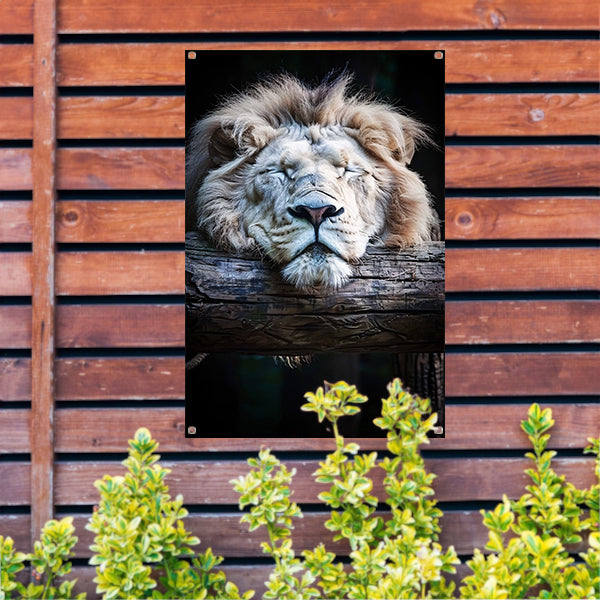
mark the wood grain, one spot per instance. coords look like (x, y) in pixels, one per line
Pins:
(16, 120)
(120, 168)
(16, 270)
(241, 304)
(295, 15)
(522, 218)
(522, 166)
(15, 379)
(499, 61)
(15, 221)
(109, 273)
(15, 326)
(522, 374)
(16, 65)
(522, 114)
(523, 322)
(16, 16)
(121, 117)
(15, 166)
(120, 221)
(522, 269)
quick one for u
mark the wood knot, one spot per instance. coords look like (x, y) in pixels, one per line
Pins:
(536, 114)
(71, 216)
(464, 219)
(497, 18)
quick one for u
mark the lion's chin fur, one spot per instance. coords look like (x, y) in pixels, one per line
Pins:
(313, 270)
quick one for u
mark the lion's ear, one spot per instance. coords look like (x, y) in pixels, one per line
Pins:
(222, 146)
(242, 139)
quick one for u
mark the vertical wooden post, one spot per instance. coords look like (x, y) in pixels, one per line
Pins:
(43, 300)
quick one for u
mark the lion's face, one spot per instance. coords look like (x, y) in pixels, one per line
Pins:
(309, 195)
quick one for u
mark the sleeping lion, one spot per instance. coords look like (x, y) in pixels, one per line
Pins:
(307, 177)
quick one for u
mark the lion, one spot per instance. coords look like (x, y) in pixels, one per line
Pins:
(307, 176)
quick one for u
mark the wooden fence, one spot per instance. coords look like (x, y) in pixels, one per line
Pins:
(92, 262)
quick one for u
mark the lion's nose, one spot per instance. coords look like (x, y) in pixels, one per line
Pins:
(315, 214)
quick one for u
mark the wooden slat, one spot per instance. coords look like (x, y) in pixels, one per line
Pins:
(522, 218)
(16, 17)
(522, 114)
(467, 427)
(518, 374)
(15, 379)
(15, 221)
(16, 270)
(107, 273)
(466, 61)
(43, 263)
(15, 167)
(15, 435)
(300, 15)
(120, 221)
(523, 322)
(522, 269)
(208, 482)
(16, 65)
(522, 166)
(120, 168)
(16, 118)
(121, 117)
(84, 326)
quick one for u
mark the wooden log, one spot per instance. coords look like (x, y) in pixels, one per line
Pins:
(523, 322)
(522, 269)
(522, 218)
(240, 304)
(499, 61)
(300, 15)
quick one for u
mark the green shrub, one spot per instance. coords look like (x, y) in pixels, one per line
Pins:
(141, 548)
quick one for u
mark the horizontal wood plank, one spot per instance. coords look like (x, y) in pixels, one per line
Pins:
(120, 221)
(152, 378)
(522, 374)
(16, 17)
(16, 270)
(109, 273)
(107, 16)
(522, 269)
(522, 218)
(15, 221)
(523, 322)
(522, 114)
(15, 434)
(466, 61)
(16, 118)
(15, 326)
(15, 169)
(120, 168)
(208, 482)
(522, 166)
(108, 117)
(16, 65)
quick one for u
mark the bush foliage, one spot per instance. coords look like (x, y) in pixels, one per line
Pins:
(141, 548)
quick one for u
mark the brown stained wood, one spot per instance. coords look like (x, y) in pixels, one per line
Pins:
(16, 65)
(43, 265)
(526, 374)
(15, 169)
(15, 435)
(121, 117)
(240, 304)
(208, 482)
(522, 114)
(120, 221)
(523, 322)
(522, 166)
(120, 168)
(16, 17)
(15, 379)
(131, 325)
(15, 221)
(467, 427)
(466, 61)
(16, 118)
(300, 15)
(16, 270)
(150, 378)
(15, 326)
(16, 483)
(522, 269)
(111, 273)
(522, 218)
